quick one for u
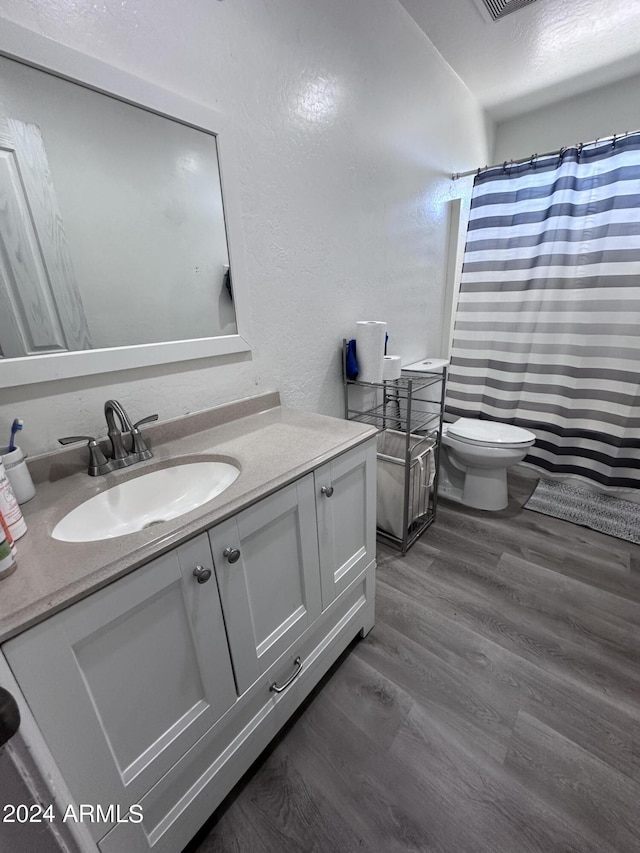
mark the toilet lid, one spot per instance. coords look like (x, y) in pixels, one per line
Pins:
(489, 432)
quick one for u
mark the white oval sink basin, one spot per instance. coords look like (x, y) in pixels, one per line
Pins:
(149, 499)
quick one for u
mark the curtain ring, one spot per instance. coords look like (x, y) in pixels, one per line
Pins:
(561, 154)
(613, 144)
(504, 166)
(580, 147)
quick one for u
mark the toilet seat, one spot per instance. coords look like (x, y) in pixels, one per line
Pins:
(489, 433)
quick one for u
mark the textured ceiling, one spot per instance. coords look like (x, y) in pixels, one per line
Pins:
(548, 50)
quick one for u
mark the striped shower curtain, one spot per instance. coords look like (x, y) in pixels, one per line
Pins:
(547, 331)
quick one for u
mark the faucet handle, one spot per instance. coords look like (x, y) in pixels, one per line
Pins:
(98, 462)
(149, 419)
(138, 444)
(72, 439)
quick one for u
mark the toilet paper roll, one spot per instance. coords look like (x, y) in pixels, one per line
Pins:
(391, 367)
(370, 337)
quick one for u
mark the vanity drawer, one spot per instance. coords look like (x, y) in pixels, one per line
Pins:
(188, 794)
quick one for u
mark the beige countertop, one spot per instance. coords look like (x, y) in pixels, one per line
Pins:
(272, 446)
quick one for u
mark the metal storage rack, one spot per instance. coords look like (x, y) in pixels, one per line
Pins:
(412, 406)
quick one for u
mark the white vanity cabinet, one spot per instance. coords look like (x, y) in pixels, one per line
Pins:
(346, 503)
(162, 688)
(126, 681)
(266, 562)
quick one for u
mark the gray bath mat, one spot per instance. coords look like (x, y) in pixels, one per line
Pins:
(599, 512)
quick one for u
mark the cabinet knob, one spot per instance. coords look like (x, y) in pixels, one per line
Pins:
(232, 554)
(201, 574)
(327, 491)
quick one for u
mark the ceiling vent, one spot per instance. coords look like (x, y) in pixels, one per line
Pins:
(493, 10)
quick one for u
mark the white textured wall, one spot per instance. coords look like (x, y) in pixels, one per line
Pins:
(601, 112)
(348, 124)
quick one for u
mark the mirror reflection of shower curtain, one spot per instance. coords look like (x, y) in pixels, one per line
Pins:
(547, 325)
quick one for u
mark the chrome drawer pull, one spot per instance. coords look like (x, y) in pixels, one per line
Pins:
(274, 687)
(232, 554)
(327, 491)
(201, 574)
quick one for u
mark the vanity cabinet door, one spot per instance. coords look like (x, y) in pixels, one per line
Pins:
(345, 491)
(266, 561)
(123, 683)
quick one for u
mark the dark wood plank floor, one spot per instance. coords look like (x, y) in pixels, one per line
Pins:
(494, 707)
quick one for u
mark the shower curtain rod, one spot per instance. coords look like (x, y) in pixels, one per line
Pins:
(534, 157)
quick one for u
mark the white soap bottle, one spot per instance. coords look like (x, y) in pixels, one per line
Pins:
(10, 508)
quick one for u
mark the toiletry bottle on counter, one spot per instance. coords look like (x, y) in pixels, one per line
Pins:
(4, 528)
(7, 560)
(10, 508)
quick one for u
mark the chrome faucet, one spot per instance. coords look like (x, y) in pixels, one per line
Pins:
(119, 454)
(121, 457)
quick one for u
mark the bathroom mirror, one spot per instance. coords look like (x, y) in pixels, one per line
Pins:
(120, 233)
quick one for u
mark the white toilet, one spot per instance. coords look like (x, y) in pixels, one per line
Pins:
(474, 459)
